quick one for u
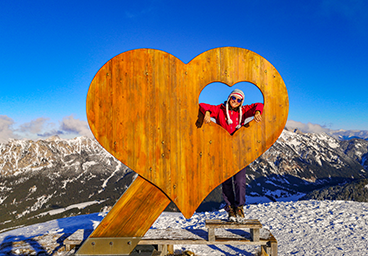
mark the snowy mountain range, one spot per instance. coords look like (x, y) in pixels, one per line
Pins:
(47, 179)
(55, 178)
(348, 134)
(300, 161)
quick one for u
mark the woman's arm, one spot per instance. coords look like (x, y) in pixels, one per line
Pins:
(209, 111)
(255, 110)
(207, 117)
(257, 116)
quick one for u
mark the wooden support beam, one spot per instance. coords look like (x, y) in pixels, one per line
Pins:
(132, 215)
(135, 212)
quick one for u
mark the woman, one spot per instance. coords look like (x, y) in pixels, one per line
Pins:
(230, 115)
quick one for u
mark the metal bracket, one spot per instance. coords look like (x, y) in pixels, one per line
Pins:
(108, 246)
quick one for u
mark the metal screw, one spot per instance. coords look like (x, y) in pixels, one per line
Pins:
(163, 142)
(265, 71)
(93, 243)
(111, 243)
(163, 155)
(174, 186)
(210, 141)
(129, 242)
(200, 153)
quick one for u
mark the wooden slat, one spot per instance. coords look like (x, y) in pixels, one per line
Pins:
(232, 224)
(254, 233)
(273, 245)
(218, 240)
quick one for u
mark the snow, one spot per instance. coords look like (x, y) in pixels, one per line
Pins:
(2, 199)
(112, 174)
(33, 189)
(40, 202)
(79, 206)
(301, 228)
(87, 165)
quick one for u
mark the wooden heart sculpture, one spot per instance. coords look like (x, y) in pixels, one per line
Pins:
(142, 107)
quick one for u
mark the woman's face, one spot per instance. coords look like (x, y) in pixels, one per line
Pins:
(235, 101)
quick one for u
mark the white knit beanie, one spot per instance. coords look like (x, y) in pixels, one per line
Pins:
(240, 94)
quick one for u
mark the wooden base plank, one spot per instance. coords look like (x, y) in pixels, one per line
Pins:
(167, 238)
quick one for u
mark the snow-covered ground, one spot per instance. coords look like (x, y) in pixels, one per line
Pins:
(301, 228)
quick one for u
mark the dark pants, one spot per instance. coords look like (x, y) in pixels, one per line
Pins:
(237, 199)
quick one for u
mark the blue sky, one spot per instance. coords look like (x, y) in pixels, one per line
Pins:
(51, 50)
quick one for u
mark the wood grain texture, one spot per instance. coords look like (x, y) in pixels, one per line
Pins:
(134, 213)
(142, 107)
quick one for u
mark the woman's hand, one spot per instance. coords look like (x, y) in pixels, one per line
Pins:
(257, 116)
(207, 117)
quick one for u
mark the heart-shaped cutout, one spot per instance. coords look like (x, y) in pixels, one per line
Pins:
(216, 93)
(142, 107)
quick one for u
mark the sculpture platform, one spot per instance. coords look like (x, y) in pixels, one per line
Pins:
(217, 232)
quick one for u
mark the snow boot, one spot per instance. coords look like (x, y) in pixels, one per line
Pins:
(231, 213)
(240, 211)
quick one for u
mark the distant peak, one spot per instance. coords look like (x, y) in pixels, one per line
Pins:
(53, 138)
(297, 131)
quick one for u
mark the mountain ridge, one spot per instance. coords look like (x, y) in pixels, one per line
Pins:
(49, 176)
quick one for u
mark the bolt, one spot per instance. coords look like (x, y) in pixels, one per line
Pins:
(200, 153)
(129, 243)
(93, 243)
(210, 141)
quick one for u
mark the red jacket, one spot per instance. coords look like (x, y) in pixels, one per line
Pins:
(219, 114)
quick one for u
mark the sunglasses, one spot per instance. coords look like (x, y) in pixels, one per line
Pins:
(238, 100)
